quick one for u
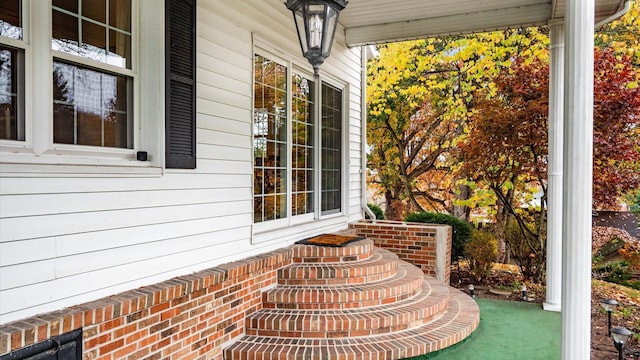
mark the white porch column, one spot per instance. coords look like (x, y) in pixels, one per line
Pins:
(554, 169)
(577, 184)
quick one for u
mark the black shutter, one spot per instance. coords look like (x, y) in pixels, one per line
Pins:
(180, 124)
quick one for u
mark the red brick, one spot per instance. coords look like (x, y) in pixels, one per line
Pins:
(94, 342)
(111, 346)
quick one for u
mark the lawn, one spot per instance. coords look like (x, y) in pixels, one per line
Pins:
(508, 330)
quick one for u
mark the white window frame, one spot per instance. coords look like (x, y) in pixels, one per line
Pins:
(261, 47)
(22, 44)
(313, 215)
(147, 52)
(283, 222)
(344, 146)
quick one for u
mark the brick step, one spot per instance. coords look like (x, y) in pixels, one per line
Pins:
(459, 321)
(355, 251)
(381, 265)
(427, 305)
(405, 283)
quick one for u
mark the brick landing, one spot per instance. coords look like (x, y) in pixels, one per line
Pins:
(354, 303)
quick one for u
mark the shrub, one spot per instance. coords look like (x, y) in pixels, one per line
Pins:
(526, 250)
(482, 251)
(377, 211)
(461, 230)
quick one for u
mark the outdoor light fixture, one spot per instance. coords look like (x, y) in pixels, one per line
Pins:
(620, 336)
(472, 291)
(524, 292)
(316, 22)
(609, 305)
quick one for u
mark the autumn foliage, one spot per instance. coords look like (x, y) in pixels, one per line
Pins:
(616, 128)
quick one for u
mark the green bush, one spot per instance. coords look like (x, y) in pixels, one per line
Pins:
(377, 211)
(482, 251)
(460, 234)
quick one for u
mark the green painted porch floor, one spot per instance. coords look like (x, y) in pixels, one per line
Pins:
(508, 330)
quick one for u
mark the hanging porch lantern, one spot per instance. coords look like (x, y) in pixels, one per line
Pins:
(316, 23)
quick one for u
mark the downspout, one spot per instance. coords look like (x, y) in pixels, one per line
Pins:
(363, 134)
(624, 10)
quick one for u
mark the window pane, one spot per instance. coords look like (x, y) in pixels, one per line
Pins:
(94, 39)
(302, 150)
(11, 19)
(119, 49)
(270, 136)
(65, 33)
(120, 14)
(331, 149)
(69, 5)
(89, 126)
(95, 9)
(91, 107)
(63, 124)
(11, 94)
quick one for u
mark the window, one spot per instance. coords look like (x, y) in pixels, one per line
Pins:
(270, 140)
(92, 88)
(11, 71)
(72, 74)
(293, 152)
(331, 149)
(303, 141)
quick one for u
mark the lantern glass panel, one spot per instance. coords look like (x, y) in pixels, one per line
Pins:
(332, 22)
(315, 23)
(300, 25)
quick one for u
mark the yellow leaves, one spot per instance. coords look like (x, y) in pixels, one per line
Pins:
(632, 85)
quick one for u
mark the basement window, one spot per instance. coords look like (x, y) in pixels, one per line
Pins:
(67, 346)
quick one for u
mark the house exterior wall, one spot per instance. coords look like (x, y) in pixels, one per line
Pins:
(76, 228)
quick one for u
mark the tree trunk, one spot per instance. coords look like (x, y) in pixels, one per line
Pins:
(462, 212)
(502, 217)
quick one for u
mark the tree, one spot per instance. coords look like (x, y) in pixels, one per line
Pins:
(623, 35)
(616, 148)
(506, 149)
(420, 98)
(407, 134)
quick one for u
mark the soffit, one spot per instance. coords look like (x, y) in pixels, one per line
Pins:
(379, 21)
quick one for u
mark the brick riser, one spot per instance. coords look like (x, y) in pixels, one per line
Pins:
(405, 283)
(376, 307)
(457, 323)
(379, 266)
(430, 303)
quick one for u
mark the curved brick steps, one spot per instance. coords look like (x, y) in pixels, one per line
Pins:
(458, 322)
(381, 265)
(406, 282)
(351, 303)
(426, 306)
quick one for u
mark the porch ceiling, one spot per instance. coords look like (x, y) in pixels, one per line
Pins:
(380, 21)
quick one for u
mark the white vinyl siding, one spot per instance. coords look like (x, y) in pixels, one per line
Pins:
(75, 233)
